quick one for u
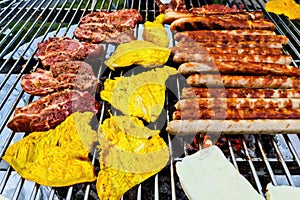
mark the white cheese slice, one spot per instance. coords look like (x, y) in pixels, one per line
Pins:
(208, 175)
(282, 192)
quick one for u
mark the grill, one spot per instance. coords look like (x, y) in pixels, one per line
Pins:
(262, 158)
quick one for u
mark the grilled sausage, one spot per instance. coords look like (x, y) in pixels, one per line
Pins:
(212, 80)
(218, 23)
(236, 103)
(218, 114)
(239, 68)
(212, 33)
(259, 39)
(171, 16)
(257, 126)
(200, 57)
(196, 92)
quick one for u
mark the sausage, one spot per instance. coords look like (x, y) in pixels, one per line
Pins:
(257, 126)
(236, 103)
(195, 92)
(239, 68)
(221, 114)
(218, 23)
(212, 33)
(171, 16)
(214, 80)
(235, 39)
(202, 57)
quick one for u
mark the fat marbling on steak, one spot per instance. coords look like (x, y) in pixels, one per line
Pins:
(68, 74)
(50, 110)
(65, 49)
(115, 27)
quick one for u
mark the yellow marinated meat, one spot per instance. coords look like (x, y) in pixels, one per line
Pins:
(136, 127)
(138, 52)
(58, 157)
(122, 150)
(288, 8)
(155, 32)
(112, 183)
(127, 160)
(141, 95)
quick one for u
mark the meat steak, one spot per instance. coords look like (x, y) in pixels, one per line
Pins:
(62, 75)
(115, 27)
(65, 49)
(50, 110)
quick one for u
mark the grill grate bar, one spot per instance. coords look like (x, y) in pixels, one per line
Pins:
(254, 173)
(18, 189)
(5, 178)
(156, 188)
(15, 17)
(20, 29)
(233, 159)
(35, 191)
(281, 159)
(265, 159)
(8, 14)
(52, 193)
(292, 148)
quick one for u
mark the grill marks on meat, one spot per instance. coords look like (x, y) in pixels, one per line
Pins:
(215, 33)
(226, 40)
(190, 47)
(58, 49)
(215, 9)
(211, 80)
(237, 103)
(260, 51)
(62, 75)
(126, 18)
(174, 5)
(196, 92)
(171, 16)
(219, 23)
(50, 110)
(239, 68)
(237, 114)
(115, 27)
(257, 126)
(198, 57)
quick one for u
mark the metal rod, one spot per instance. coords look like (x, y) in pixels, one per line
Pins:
(232, 153)
(18, 189)
(156, 188)
(281, 160)
(35, 191)
(20, 29)
(9, 13)
(265, 159)
(254, 173)
(289, 138)
(15, 16)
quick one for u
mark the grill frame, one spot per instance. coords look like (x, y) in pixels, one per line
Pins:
(68, 15)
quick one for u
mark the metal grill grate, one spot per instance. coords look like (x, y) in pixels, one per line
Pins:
(262, 159)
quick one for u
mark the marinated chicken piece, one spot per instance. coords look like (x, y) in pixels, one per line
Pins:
(138, 53)
(126, 159)
(58, 157)
(141, 95)
(155, 32)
